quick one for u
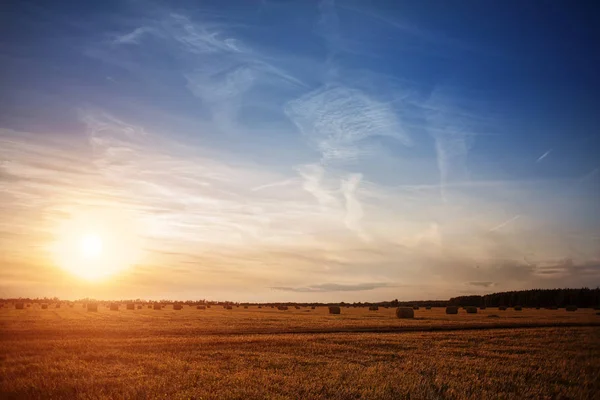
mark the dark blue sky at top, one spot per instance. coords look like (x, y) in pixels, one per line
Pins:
(531, 65)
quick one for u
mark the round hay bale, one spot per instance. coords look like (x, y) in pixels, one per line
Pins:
(201, 307)
(297, 307)
(282, 308)
(157, 306)
(571, 308)
(373, 308)
(177, 306)
(57, 305)
(259, 307)
(20, 306)
(246, 307)
(139, 307)
(335, 310)
(93, 307)
(502, 308)
(208, 306)
(130, 306)
(428, 308)
(228, 307)
(44, 306)
(452, 310)
(114, 307)
(312, 307)
(405, 312)
(518, 308)
(415, 307)
(471, 310)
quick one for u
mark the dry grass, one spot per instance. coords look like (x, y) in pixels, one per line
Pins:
(71, 354)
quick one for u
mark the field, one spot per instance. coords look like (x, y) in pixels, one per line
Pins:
(297, 354)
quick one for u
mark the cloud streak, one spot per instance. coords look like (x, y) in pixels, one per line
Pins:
(333, 287)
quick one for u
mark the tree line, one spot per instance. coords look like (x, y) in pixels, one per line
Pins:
(583, 298)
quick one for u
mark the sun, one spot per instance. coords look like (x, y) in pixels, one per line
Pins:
(91, 246)
(95, 246)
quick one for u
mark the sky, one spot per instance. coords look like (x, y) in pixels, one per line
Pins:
(298, 150)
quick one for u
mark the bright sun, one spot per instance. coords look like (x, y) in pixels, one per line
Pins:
(91, 246)
(94, 247)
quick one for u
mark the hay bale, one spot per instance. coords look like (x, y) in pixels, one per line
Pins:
(518, 308)
(28, 305)
(246, 307)
(44, 306)
(502, 308)
(282, 308)
(571, 308)
(228, 307)
(20, 306)
(334, 310)
(114, 307)
(93, 307)
(208, 306)
(471, 310)
(57, 305)
(130, 306)
(177, 306)
(201, 307)
(405, 312)
(373, 308)
(415, 307)
(297, 307)
(259, 307)
(312, 307)
(452, 310)
(157, 306)
(428, 308)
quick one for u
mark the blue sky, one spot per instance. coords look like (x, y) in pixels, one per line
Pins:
(281, 150)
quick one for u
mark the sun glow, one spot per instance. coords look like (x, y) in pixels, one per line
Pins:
(94, 247)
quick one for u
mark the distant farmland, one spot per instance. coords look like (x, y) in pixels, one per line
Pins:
(256, 353)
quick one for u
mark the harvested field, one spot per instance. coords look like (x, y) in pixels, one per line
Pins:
(185, 354)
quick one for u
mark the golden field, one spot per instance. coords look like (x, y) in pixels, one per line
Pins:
(297, 354)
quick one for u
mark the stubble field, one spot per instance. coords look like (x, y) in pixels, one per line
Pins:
(298, 354)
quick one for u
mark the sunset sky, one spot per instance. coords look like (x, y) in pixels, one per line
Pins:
(296, 150)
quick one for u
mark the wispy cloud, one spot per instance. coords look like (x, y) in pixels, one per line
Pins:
(338, 120)
(333, 287)
(133, 37)
(505, 223)
(354, 210)
(482, 284)
(546, 154)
